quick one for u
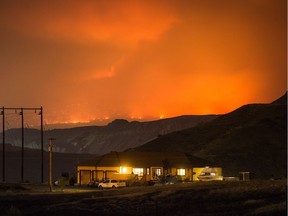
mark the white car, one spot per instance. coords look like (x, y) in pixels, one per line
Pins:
(111, 184)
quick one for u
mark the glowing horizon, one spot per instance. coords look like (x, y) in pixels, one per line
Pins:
(88, 60)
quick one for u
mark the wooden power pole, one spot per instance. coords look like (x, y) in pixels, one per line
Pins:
(50, 164)
(3, 143)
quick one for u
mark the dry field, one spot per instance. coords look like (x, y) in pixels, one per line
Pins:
(213, 198)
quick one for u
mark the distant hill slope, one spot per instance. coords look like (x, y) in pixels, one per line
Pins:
(116, 136)
(32, 164)
(251, 138)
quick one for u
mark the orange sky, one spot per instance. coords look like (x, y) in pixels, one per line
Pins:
(95, 59)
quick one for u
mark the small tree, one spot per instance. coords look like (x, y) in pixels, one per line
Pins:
(166, 166)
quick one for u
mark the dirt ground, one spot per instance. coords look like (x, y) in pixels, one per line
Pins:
(199, 198)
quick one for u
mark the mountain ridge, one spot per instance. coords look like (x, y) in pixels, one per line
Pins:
(247, 138)
(116, 136)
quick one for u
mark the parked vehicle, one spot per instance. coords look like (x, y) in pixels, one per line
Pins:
(93, 183)
(111, 183)
(66, 179)
(210, 174)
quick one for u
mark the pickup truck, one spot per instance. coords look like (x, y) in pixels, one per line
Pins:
(111, 184)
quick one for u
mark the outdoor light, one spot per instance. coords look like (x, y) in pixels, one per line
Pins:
(123, 170)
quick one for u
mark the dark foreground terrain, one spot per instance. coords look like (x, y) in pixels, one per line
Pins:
(214, 198)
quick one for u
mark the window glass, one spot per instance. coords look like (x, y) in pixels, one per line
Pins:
(138, 171)
(156, 172)
(181, 172)
(148, 171)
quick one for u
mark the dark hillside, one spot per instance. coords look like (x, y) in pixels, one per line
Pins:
(116, 136)
(32, 164)
(251, 138)
(282, 100)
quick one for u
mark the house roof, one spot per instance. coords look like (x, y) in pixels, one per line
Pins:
(146, 159)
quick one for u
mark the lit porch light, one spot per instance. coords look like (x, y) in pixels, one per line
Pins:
(123, 169)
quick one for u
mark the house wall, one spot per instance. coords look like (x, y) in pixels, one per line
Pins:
(84, 174)
(104, 172)
(127, 171)
(87, 173)
(189, 174)
(196, 172)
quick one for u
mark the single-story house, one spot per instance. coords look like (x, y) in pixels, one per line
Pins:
(145, 165)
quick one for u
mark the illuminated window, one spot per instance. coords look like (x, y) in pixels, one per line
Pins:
(156, 172)
(138, 171)
(148, 171)
(181, 172)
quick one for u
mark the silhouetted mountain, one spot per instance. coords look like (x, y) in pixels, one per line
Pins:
(252, 138)
(116, 136)
(282, 100)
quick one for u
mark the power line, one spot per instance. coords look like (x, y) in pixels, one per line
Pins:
(20, 111)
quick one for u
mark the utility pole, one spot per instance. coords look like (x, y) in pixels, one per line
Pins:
(50, 163)
(3, 143)
(42, 150)
(22, 149)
